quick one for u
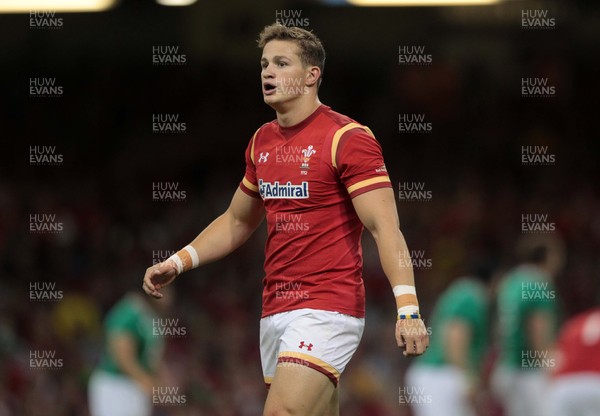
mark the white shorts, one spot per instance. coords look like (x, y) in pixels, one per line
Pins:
(434, 391)
(322, 340)
(574, 395)
(115, 395)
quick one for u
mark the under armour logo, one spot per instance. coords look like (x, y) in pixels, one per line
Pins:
(263, 157)
(308, 347)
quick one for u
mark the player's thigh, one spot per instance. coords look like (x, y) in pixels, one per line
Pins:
(300, 391)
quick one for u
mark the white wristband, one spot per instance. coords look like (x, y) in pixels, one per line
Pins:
(408, 310)
(178, 263)
(193, 255)
(400, 290)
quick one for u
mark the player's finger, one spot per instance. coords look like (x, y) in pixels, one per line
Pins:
(419, 347)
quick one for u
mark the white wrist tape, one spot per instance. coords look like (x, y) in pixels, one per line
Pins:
(408, 310)
(185, 259)
(400, 290)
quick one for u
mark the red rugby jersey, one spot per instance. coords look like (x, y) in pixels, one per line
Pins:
(579, 345)
(306, 176)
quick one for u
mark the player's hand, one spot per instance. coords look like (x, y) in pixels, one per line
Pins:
(411, 336)
(159, 276)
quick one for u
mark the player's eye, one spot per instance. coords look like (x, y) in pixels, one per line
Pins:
(282, 64)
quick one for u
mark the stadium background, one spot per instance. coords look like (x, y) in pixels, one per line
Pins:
(102, 191)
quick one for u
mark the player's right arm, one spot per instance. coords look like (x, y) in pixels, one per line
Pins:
(221, 237)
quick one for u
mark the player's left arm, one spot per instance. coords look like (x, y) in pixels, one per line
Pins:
(377, 211)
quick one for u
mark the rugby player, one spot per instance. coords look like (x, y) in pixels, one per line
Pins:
(317, 199)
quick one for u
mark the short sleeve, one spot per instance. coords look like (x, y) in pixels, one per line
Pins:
(359, 161)
(249, 184)
(122, 319)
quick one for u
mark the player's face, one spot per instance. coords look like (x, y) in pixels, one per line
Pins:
(283, 77)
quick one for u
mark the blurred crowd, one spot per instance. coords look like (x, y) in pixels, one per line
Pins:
(112, 229)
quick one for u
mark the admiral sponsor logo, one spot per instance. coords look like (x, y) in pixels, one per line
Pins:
(276, 190)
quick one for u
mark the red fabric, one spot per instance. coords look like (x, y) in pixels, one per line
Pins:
(313, 257)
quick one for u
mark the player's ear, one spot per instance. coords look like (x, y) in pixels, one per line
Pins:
(313, 75)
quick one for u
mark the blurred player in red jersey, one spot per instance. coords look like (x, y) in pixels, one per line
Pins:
(318, 177)
(575, 386)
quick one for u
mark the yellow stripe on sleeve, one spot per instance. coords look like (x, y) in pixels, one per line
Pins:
(338, 135)
(249, 185)
(252, 148)
(368, 182)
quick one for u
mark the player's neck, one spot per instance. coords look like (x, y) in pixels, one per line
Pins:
(296, 113)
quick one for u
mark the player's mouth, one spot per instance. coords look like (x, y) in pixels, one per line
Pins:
(269, 88)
